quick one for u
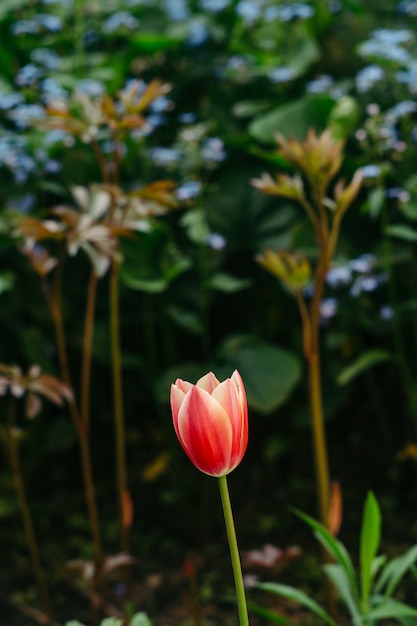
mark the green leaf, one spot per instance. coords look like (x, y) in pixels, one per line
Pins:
(154, 42)
(111, 621)
(269, 615)
(338, 576)
(7, 6)
(395, 570)
(297, 596)
(269, 373)
(375, 202)
(335, 548)
(369, 543)
(7, 281)
(365, 361)
(151, 261)
(389, 608)
(195, 223)
(140, 619)
(74, 623)
(248, 219)
(344, 117)
(228, 283)
(293, 119)
(402, 231)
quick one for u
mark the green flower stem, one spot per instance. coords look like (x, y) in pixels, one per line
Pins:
(234, 552)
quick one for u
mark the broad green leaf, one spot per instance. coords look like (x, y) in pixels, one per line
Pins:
(248, 108)
(140, 619)
(151, 261)
(74, 623)
(228, 283)
(402, 231)
(375, 202)
(369, 543)
(293, 119)
(394, 571)
(335, 548)
(389, 608)
(248, 219)
(269, 373)
(365, 361)
(344, 117)
(111, 621)
(195, 223)
(297, 596)
(337, 575)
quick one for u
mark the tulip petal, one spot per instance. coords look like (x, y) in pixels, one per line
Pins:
(177, 398)
(184, 385)
(208, 382)
(229, 397)
(205, 432)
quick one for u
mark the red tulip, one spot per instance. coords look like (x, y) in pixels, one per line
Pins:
(211, 422)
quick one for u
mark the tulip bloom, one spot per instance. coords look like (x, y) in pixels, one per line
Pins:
(211, 422)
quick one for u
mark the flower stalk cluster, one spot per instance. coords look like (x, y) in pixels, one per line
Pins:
(317, 160)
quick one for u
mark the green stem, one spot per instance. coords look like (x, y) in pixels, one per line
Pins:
(234, 552)
(118, 406)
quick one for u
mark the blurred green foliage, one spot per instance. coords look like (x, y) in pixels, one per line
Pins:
(192, 297)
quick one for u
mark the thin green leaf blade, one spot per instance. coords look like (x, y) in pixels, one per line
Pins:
(297, 596)
(269, 615)
(369, 543)
(338, 576)
(365, 361)
(395, 570)
(390, 608)
(335, 548)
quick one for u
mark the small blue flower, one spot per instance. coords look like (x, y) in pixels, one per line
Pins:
(214, 6)
(164, 156)
(248, 11)
(198, 34)
(188, 190)
(187, 118)
(363, 263)
(386, 312)
(176, 10)
(371, 171)
(328, 308)
(46, 57)
(409, 7)
(281, 75)
(216, 241)
(28, 75)
(213, 150)
(90, 87)
(339, 276)
(9, 100)
(120, 20)
(322, 84)
(368, 77)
